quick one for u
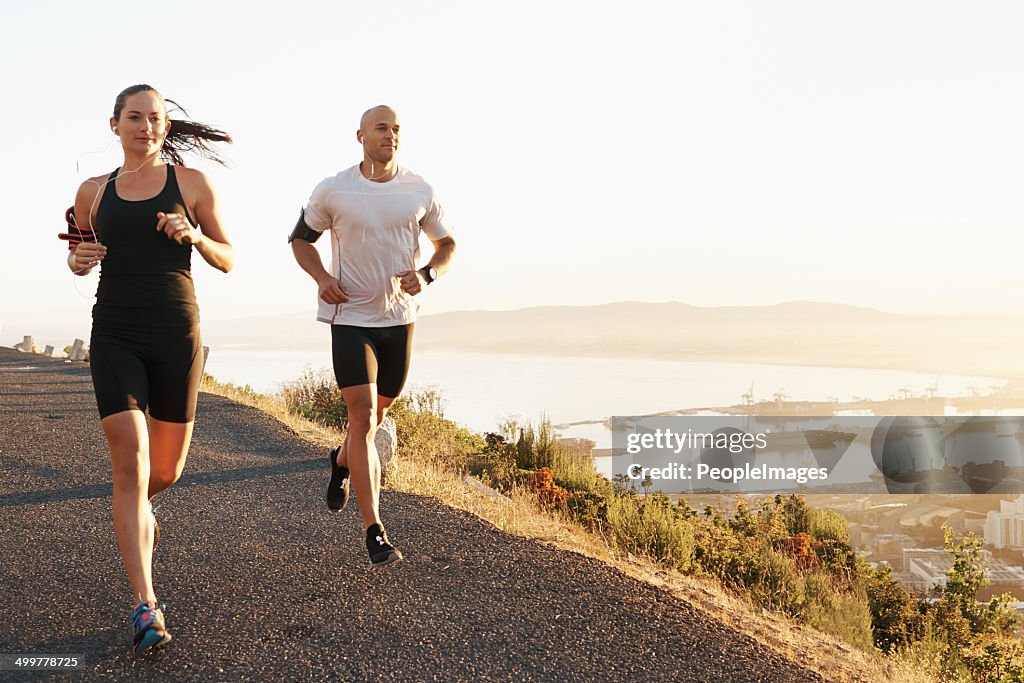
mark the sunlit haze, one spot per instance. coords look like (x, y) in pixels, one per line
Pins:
(736, 153)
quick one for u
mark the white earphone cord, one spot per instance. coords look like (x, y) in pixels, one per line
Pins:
(92, 207)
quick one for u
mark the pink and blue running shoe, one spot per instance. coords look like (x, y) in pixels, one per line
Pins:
(150, 631)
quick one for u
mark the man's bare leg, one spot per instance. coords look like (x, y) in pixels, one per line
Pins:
(364, 467)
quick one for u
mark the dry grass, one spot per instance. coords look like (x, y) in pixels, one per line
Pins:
(830, 657)
(273, 406)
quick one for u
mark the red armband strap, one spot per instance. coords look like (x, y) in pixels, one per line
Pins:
(75, 235)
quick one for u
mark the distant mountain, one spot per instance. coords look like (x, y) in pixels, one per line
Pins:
(628, 313)
(796, 332)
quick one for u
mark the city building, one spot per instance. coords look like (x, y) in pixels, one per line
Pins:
(929, 567)
(1005, 528)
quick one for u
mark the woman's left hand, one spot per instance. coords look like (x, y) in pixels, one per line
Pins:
(178, 228)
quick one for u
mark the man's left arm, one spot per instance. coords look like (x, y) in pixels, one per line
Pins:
(413, 281)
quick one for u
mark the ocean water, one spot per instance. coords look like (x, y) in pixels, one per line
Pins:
(482, 389)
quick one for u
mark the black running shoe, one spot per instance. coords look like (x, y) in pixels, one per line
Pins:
(380, 549)
(150, 631)
(337, 489)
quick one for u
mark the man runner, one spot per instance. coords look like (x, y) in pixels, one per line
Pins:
(375, 211)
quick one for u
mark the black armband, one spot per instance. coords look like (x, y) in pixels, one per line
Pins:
(303, 232)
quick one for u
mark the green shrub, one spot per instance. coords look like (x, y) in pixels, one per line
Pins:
(494, 463)
(743, 522)
(996, 659)
(965, 578)
(795, 512)
(828, 525)
(589, 509)
(831, 609)
(896, 620)
(650, 529)
(316, 397)
(422, 429)
(778, 585)
(420, 424)
(537, 447)
(573, 465)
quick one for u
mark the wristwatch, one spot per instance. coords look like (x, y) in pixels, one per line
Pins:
(429, 273)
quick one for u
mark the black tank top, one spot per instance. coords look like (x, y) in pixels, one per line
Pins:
(145, 278)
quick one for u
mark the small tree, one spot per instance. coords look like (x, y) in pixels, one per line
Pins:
(684, 510)
(966, 577)
(620, 484)
(525, 448)
(742, 521)
(896, 620)
(798, 515)
(647, 483)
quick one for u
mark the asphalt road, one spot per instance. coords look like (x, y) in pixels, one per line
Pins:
(262, 582)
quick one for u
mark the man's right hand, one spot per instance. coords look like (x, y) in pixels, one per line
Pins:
(331, 290)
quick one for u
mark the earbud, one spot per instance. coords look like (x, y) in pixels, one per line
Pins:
(114, 129)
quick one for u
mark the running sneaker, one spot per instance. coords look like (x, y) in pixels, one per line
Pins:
(380, 549)
(150, 631)
(338, 488)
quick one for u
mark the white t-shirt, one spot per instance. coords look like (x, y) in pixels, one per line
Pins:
(375, 229)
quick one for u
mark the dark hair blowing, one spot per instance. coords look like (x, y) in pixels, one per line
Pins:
(184, 136)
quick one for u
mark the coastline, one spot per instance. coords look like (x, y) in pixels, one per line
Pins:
(802, 359)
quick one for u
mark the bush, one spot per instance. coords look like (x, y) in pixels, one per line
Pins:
(550, 494)
(995, 659)
(830, 609)
(572, 465)
(829, 526)
(655, 530)
(965, 578)
(801, 548)
(896, 620)
(778, 585)
(419, 418)
(495, 463)
(589, 509)
(422, 429)
(316, 397)
(516, 453)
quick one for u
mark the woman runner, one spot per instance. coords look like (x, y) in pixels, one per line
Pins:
(142, 222)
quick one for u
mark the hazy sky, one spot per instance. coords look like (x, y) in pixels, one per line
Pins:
(725, 153)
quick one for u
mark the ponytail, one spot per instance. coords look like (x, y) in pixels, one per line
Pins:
(185, 135)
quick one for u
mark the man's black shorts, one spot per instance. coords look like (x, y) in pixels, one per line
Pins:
(372, 355)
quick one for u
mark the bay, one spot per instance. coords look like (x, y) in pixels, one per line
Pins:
(482, 389)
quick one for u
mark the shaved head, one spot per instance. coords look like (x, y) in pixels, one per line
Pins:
(375, 112)
(378, 133)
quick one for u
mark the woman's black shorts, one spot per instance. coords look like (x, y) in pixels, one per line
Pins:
(136, 368)
(368, 355)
